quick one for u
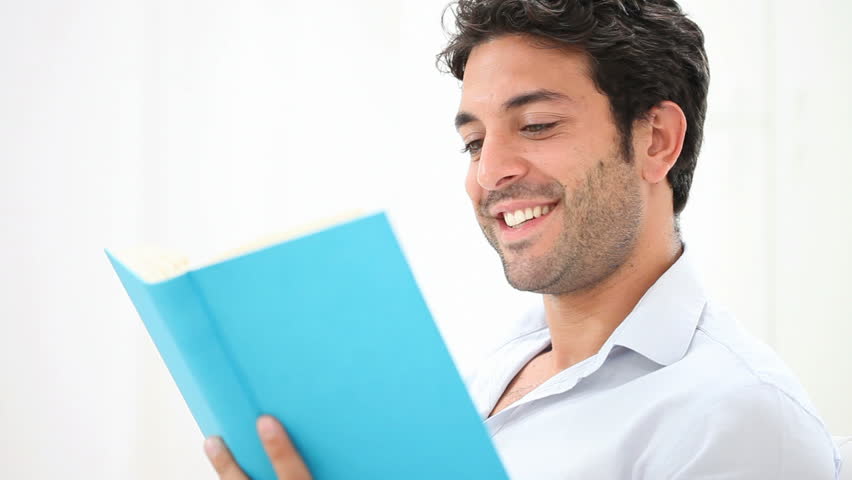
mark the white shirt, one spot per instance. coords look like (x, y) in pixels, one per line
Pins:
(678, 391)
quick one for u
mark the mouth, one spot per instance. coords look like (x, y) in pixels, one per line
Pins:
(520, 223)
(521, 216)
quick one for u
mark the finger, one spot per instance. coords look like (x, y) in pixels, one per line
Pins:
(285, 459)
(222, 460)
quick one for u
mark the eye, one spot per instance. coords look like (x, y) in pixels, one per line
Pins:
(539, 127)
(472, 147)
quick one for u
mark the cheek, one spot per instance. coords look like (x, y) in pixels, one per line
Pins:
(562, 165)
(471, 185)
(570, 162)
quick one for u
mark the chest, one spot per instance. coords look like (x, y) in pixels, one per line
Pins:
(591, 431)
(533, 374)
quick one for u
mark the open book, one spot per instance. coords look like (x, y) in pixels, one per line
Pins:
(329, 333)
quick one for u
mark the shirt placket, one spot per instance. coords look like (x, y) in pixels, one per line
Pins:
(560, 383)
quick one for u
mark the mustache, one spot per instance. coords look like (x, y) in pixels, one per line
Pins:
(520, 191)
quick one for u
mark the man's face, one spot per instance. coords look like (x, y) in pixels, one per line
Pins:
(543, 141)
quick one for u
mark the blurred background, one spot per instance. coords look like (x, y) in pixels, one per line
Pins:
(200, 125)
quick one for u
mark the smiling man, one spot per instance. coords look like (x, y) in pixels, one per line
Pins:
(583, 121)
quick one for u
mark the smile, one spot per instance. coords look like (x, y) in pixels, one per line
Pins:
(519, 217)
(520, 221)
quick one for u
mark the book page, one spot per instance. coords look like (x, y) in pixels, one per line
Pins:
(153, 264)
(156, 264)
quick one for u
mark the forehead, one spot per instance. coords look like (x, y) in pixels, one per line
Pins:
(510, 64)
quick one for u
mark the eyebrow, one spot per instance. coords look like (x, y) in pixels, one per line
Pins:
(540, 95)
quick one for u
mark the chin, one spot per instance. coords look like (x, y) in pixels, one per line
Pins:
(529, 278)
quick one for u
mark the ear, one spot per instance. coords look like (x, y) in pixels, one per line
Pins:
(660, 147)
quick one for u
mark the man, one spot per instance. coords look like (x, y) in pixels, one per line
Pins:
(583, 120)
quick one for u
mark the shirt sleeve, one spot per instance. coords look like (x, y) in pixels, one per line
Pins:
(751, 433)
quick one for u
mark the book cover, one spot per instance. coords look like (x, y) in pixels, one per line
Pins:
(329, 333)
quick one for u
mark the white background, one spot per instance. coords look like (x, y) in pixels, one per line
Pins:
(201, 124)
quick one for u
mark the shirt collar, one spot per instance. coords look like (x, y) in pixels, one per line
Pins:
(662, 324)
(660, 328)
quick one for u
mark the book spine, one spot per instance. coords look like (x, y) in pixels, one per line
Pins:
(176, 316)
(208, 377)
(198, 360)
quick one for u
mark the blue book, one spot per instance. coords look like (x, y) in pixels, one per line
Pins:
(329, 333)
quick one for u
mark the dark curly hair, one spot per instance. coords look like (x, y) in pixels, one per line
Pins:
(641, 53)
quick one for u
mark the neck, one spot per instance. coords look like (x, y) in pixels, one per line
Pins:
(580, 322)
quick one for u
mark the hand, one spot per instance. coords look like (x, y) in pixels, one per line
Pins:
(286, 462)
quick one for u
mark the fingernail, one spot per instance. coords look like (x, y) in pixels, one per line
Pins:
(213, 446)
(266, 427)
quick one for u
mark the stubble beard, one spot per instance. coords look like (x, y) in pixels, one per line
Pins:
(601, 220)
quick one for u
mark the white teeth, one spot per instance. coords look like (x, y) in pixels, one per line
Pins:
(509, 218)
(518, 217)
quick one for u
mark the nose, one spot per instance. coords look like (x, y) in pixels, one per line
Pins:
(500, 164)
